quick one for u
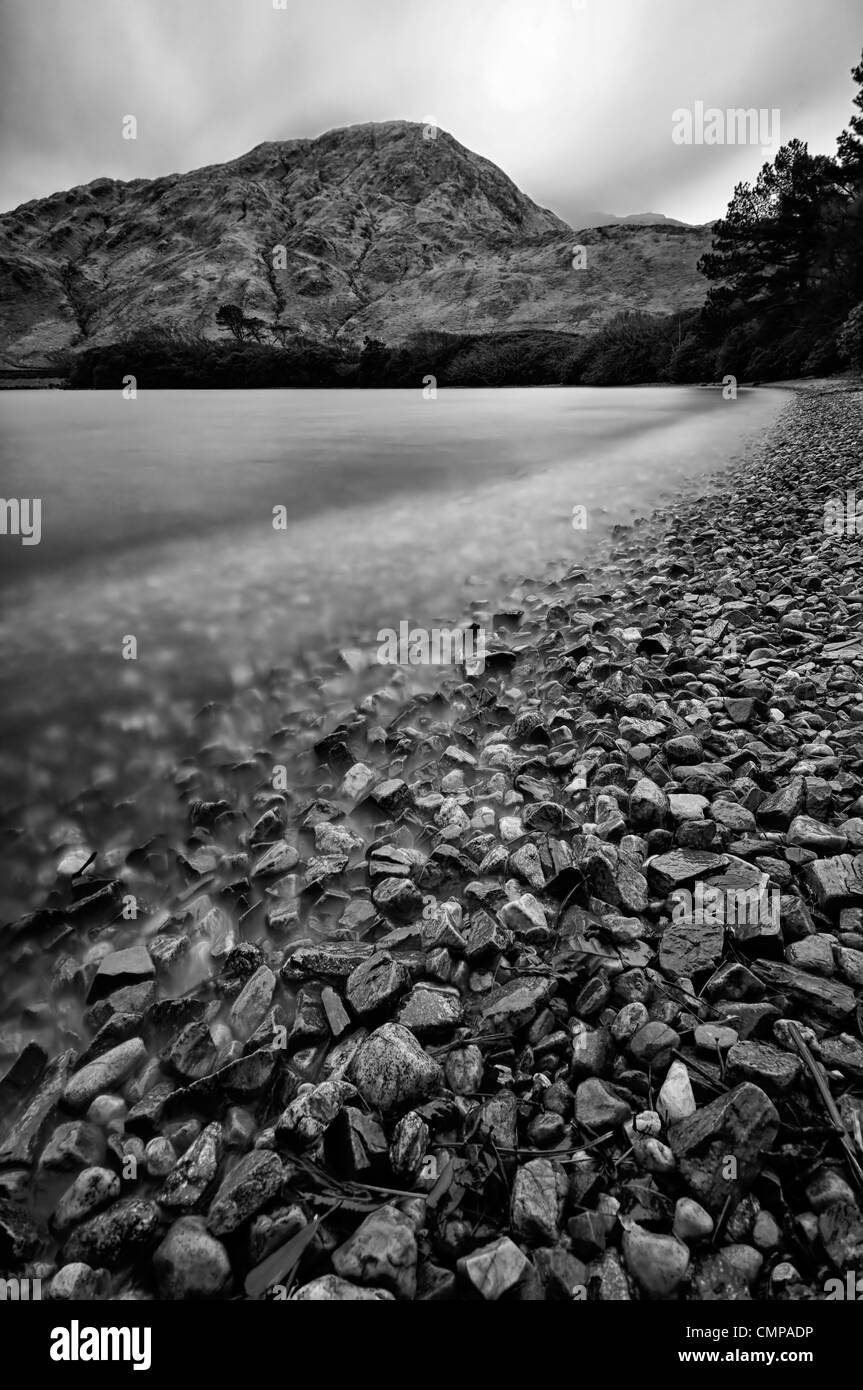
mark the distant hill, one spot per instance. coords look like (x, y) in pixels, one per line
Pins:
(384, 231)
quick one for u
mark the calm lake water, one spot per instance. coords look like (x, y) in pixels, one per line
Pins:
(157, 522)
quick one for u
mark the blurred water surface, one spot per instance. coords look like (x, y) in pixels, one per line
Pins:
(157, 522)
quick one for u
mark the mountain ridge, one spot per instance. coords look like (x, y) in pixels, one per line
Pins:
(368, 230)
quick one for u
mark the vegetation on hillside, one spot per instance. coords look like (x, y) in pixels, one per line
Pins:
(784, 298)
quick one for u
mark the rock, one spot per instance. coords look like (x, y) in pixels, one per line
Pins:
(20, 1236)
(536, 1207)
(160, 1158)
(611, 1278)
(563, 1276)
(598, 1108)
(107, 1072)
(252, 1004)
(330, 1289)
(691, 1222)
(714, 1279)
(676, 1100)
(657, 1263)
(21, 1140)
(827, 1187)
(464, 1068)
(391, 795)
(397, 898)
(741, 1125)
(499, 1119)
(120, 968)
(813, 954)
(744, 1260)
(356, 782)
(126, 1231)
(523, 914)
(843, 1054)
(249, 1186)
(733, 818)
(376, 984)
(93, 1188)
(681, 867)
(392, 1072)
(713, 1038)
(826, 997)
(840, 1227)
(278, 859)
(355, 1145)
(648, 805)
(495, 1269)
(408, 1148)
(382, 1252)
(77, 1282)
(335, 961)
(186, 1184)
(653, 1044)
(773, 1070)
(687, 806)
(779, 809)
(431, 1010)
(766, 1233)
(312, 1111)
(835, 883)
(812, 834)
(688, 948)
(190, 1263)
(75, 1144)
(512, 1006)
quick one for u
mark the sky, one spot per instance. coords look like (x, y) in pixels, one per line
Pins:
(573, 99)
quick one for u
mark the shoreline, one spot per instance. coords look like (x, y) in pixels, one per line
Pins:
(485, 876)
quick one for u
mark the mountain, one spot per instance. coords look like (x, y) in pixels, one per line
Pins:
(642, 219)
(383, 231)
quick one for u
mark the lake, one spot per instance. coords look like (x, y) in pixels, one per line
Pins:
(157, 522)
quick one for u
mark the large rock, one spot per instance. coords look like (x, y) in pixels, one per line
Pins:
(376, 984)
(249, 1186)
(775, 1071)
(329, 1288)
(513, 1005)
(105, 1074)
(186, 1184)
(382, 1253)
(312, 1111)
(131, 966)
(190, 1263)
(93, 1188)
(392, 1072)
(720, 1149)
(495, 1269)
(688, 948)
(115, 1237)
(679, 868)
(251, 1005)
(657, 1263)
(538, 1194)
(648, 805)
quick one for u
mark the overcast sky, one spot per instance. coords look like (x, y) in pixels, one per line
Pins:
(572, 98)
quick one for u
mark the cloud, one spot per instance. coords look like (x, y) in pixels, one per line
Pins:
(573, 102)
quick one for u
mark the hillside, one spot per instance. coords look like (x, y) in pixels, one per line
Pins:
(383, 230)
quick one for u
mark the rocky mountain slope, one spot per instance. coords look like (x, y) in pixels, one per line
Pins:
(372, 229)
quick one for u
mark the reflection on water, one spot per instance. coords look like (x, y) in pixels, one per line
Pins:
(157, 522)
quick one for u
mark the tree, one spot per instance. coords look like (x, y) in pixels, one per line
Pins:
(849, 235)
(254, 328)
(850, 142)
(770, 254)
(230, 316)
